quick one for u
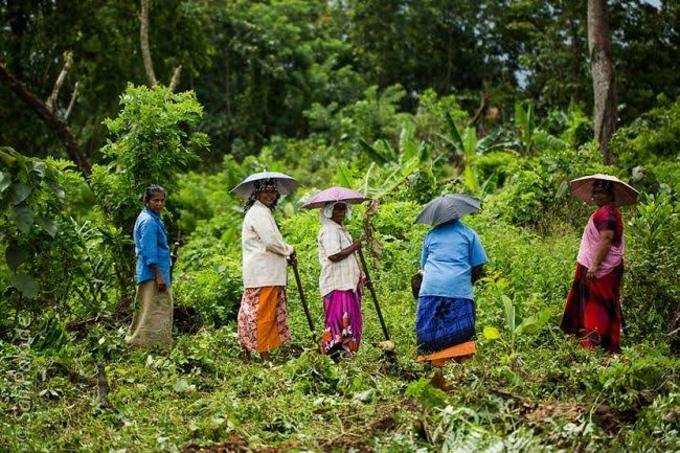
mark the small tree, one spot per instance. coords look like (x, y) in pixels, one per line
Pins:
(151, 140)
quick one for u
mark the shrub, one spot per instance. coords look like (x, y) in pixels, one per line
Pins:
(538, 191)
(652, 294)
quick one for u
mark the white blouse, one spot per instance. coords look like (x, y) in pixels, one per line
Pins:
(264, 252)
(344, 274)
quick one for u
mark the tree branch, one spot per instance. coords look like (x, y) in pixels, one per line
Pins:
(58, 126)
(144, 42)
(68, 61)
(175, 78)
(73, 101)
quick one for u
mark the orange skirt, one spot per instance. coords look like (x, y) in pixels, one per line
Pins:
(457, 352)
(262, 318)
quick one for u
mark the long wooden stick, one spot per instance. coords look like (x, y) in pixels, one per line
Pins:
(302, 295)
(371, 289)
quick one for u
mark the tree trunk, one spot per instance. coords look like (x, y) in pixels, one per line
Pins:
(144, 43)
(602, 70)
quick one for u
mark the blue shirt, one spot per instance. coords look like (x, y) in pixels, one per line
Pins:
(151, 247)
(450, 251)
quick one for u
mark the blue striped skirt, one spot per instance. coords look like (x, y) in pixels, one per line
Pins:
(442, 322)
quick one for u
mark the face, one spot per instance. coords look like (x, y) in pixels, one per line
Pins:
(267, 197)
(601, 196)
(157, 202)
(339, 213)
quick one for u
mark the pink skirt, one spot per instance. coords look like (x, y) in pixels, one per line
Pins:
(343, 321)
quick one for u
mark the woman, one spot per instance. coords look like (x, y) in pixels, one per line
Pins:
(593, 308)
(262, 318)
(452, 260)
(339, 283)
(152, 321)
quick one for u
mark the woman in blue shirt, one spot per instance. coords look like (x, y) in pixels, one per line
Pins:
(452, 259)
(152, 321)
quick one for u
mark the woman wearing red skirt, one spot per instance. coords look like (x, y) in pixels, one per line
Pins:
(593, 308)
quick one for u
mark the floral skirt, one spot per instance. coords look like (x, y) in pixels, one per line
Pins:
(593, 309)
(262, 318)
(343, 321)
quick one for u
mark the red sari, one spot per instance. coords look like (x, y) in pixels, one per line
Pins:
(593, 308)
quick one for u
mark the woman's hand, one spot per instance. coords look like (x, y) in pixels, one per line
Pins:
(590, 275)
(160, 283)
(292, 258)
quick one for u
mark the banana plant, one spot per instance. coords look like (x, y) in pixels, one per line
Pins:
(525, 126)
(408, 158)
(466, 146)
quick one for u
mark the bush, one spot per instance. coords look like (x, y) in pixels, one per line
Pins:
(651, 138)
(538, 191)
(651, 295)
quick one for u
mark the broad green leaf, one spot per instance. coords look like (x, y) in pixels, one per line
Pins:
(58, 191)
(520, 117)
(8, 156)
(407, 143)
(509, 313)
(384, 148)
(182, 386)
(5, 181)
(470, 179)
(372, 151)
(23, 217)
(455, 135)
(469, 143)
(25, 284)
(39, 168)
(491, 333)
(534, 323)
(47, 225)
(21, 192)
(343, 175)
(15, 256)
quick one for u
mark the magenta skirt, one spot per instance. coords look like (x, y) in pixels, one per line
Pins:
(343, 322)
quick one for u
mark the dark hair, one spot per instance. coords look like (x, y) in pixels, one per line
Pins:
(150, 191)
(605, 186)
(261, 186)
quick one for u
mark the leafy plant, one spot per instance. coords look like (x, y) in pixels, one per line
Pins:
(30, 198)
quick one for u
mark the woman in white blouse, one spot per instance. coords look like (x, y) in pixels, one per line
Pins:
(339, 283)
(262, 317)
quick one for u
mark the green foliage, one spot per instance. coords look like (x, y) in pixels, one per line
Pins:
(30, 198)
(378, 96)
(652, 293)
(651, 144)
(151, 140)
(539, 186)
(427, 395)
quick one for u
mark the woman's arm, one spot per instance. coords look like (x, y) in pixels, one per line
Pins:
(344, 253)
(606, 238)
(424, 252)
(477, 272)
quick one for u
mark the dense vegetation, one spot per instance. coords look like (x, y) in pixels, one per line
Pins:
(320, 92)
